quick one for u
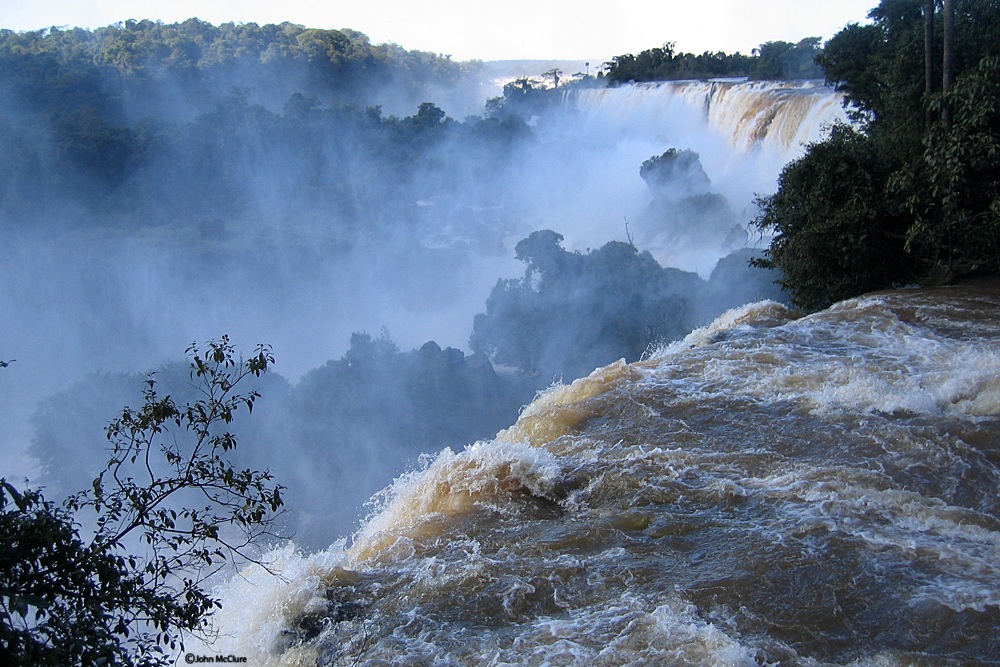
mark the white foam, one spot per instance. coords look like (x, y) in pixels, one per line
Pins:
(260, 605)
(858, 356)
(451, 484)
(746, 316)
(626, 632)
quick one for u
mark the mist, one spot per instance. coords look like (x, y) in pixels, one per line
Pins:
(365, 223)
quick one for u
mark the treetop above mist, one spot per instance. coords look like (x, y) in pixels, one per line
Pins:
(572, 312)
(772, 61)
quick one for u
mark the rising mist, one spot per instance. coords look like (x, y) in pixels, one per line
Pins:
(357, 219)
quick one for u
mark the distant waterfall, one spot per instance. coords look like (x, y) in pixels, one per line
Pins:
(743, 132)
(777, 118)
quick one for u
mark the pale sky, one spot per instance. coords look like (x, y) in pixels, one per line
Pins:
(509, 29)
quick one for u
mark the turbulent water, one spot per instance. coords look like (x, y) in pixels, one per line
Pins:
(770, 490)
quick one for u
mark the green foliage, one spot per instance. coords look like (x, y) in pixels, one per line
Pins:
(849, 60)
(835, 232)
(880, 68)
(953, 193)
(168, 510)
(194, 48)
(786, 61)
(912, 194)
(522, 98)
(772, 60)
(129, 121)
(58, 596)
(664, 64)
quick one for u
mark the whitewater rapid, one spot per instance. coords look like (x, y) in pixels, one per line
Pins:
(772, 489)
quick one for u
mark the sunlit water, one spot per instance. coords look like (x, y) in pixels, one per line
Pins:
(771, 490)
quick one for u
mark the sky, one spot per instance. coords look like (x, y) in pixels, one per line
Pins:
(509, 29)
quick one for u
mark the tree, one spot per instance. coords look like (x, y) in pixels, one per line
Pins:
(784, 60)
(848, 61)
(929, 46)
(571, 312)
(664, 64)
(834, 231)
(953, 192)
(912, 195)
(675, 173)
(554, 73)
(167, 512)
(523, 97)
(948, 60)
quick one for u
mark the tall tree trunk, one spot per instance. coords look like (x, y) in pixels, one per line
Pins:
(948, 64)
(928, 56)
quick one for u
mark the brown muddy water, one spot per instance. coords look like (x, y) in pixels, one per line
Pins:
(771, 490)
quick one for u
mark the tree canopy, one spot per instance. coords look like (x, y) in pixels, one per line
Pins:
(772, 60)
(571, 312)
(910, 193)
(145, 123)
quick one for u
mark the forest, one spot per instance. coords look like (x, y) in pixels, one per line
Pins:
(145, 124)
(909, 193)
(775, 60)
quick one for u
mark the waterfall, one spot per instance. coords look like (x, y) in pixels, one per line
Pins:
(743, 132)
(777, 118)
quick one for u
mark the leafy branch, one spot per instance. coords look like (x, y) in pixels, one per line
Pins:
(169, 510)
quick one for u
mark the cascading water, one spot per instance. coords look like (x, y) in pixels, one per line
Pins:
(770, 490)
(776, 118)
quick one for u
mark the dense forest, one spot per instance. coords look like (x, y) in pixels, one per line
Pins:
(911, 193)
(149, 124)
(128, 62)
(772, 60)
